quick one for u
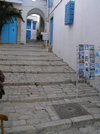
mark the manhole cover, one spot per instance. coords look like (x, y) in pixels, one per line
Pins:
(69, 110)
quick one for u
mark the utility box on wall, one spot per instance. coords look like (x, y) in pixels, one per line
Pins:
(69, 13)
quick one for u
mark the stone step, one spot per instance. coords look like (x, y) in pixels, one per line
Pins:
(39, 72)
(32, 63)
(26, 53)
(53, 91)
(23, 49)
(43, 119)
(25, 78)
(11, 83)
(34, 98)
(36, 69)
(53, 126)
(30, 59)
(17, 46)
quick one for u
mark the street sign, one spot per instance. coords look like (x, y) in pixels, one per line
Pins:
(45, 36)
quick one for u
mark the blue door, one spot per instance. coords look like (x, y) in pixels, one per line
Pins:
(51, 34)
(4, 33)
(9, 32)
(28, 33)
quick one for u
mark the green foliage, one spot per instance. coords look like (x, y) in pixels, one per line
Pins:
(7, 10)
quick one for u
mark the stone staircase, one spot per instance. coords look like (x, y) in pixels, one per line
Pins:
(35, 81)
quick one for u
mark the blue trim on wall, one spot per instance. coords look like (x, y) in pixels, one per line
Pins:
(51, 33)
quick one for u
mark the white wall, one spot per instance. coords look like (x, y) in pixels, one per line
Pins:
(85, 29)
(26, 6)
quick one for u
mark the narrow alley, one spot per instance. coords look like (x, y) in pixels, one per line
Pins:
(35, 82)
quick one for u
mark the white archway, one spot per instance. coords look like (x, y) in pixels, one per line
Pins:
(41, 25)
(37, 11)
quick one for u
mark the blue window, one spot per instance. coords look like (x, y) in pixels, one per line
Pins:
(28, 24)
(69, 13)
(34, 25)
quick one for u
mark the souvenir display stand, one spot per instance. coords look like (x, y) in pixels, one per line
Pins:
(88, 64)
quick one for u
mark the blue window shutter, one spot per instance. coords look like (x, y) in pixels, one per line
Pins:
(28, 24)
(34, 25)
(69, 13)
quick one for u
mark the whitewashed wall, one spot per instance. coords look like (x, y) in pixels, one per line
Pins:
(85, 29)
(26, 6)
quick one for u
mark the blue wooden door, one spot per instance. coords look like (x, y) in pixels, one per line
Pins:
(28, 33)
(51, 33)
(9, 32)
(5, 34)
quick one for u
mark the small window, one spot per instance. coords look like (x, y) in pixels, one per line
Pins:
(34, 25)
(28, 24)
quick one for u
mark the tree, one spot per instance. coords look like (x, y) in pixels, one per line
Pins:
(7, 10)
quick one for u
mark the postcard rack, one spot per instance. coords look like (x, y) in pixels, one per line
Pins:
(88, 64)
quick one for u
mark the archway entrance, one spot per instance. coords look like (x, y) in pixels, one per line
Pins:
(35, 24)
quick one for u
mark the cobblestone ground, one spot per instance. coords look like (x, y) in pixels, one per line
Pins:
(35, 81)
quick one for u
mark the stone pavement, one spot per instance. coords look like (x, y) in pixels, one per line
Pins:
(35, 81)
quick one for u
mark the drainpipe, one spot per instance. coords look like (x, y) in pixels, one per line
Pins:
(55, 7)
(47, 12)
(47, 18)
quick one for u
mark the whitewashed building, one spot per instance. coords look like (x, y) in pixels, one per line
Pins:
(85, 28)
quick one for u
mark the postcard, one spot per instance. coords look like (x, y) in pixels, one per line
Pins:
(86, 53)
(86, 69)
(86, 46)
(81, 47)
(92, 54)
(97, 54)
(92, 75)
(86, 64)
(91, 47)
(92, 67)
(81, 65)
(96, 71)
(86, 75)
(81, 61)
(86, 58)
(97, 65)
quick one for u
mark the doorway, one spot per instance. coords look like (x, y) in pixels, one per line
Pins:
(9, 32)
